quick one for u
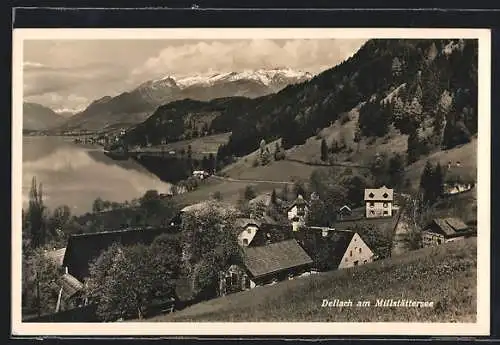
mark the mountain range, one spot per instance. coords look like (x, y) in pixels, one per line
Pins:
(37, 117)
(133, 107)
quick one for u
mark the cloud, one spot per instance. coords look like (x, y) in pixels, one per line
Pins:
(70, 74)
(220, 56)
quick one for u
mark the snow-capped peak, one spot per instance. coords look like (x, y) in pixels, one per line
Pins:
(264, 76)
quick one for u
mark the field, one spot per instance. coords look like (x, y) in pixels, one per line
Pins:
(229, 190)
(202, 145)
(445, 275)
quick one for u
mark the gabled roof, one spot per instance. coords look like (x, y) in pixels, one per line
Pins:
(379, 194)
(70, 286)
(206, 205)
(450, 226)
(82, 249)
(244, 222)
(340, 241)
(299, 201)
(345, 207)
(263, 198)
(274, 257)
(336, 240)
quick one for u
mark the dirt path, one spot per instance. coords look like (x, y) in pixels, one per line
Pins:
(229, 179)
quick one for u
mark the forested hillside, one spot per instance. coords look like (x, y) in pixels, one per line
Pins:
(422, 90)
(426, 89)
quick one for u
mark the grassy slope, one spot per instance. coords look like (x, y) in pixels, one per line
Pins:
(229, 190)
(208, 144)
(465, 154)
(445, 275)
(360, 154)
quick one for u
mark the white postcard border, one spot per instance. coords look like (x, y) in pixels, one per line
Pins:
(481, 327)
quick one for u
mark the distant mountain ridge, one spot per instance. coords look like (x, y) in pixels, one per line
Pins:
(130, 108)
(37, 117)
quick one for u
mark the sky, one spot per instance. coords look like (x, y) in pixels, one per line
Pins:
(66, 75)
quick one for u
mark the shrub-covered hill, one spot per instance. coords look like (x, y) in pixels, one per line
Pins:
(444, 275)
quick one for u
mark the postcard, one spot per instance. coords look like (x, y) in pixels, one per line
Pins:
(186, 182)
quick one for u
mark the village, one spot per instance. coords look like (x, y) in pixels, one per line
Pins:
(273, 251)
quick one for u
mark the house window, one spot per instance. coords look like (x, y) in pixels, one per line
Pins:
(371, 195)
(234, 279)
(372, 204)
(246, 282)
(385, 195)
(372, 212)
(350, 253)
(386, 204)
(360, 250)
(356, 263)
(245, 242)
(386, 213)
(345, 259)
(365, 261)
(249, 230)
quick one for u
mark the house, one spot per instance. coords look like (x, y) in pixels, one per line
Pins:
(379, 202)
(261, 232)
(344, 211)
(297, 212)
(248, 229)
(83, 249)
(264, 265)
(442, 230)
(201, 174)
(334, 249)
(457, 179)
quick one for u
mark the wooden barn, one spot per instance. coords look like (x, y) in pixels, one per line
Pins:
(264, 265)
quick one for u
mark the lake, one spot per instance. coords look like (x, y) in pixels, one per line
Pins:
(75, 175)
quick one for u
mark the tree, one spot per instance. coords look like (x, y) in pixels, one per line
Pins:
(396, 170)
(249, 193)
(211, 163)
(36, 215)
(299, 188)
(438, 180)
(98, 205)
(40, 282)
(355, 186)
(427, 184)
(274, 198)
(318, 214)
(324, 150)
(154, 269)
(209, 244)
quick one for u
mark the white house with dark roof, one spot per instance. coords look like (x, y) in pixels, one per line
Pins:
(379, 202)
(297, 212)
